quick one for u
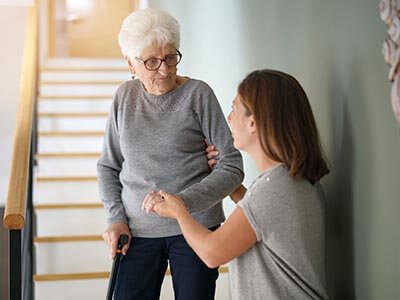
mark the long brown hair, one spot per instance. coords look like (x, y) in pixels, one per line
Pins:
(285, 122)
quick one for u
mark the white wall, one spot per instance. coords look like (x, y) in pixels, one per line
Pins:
(12, 31)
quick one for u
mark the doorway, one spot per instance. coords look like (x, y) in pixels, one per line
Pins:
(87, 28)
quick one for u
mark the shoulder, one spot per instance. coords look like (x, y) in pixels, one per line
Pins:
(198, 83)
(202, 95)
(199, 87)
(127, 90)
(278, 186)
(277, 201)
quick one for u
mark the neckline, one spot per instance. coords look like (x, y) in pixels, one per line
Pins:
(155, 97)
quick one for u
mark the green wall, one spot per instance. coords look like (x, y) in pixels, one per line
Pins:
(334, 49)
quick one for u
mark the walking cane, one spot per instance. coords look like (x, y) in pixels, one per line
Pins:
(122, 241)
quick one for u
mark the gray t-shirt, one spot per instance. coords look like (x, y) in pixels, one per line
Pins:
(288, 259)
(157, 142)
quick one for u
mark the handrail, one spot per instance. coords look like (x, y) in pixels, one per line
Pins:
(16, 203)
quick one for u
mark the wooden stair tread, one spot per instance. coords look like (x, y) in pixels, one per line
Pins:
(94, 275)
(65, 178)
(68, 206)
(70, 238)
(83, 82)
(71, 276)
(75, 97)
(67, 155)
(73, 115)
(85, 69)
(70, 133)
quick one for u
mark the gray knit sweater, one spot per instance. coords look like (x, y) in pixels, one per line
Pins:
(157, 142)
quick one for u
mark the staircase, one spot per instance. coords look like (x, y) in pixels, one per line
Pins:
(72, 260)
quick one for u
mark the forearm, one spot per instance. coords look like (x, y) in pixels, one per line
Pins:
(212, 189)
(110, 194)
(199, 238)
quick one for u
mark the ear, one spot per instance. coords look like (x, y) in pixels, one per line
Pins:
(251, 125)
(130, 65)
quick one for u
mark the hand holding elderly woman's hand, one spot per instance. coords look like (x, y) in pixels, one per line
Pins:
(150, 200)
(172, 206)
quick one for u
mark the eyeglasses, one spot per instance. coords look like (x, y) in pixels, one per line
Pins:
(154, 63)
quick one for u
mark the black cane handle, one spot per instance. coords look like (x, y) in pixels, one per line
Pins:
(122, 241)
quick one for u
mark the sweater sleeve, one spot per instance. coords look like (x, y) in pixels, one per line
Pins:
(108, 169)
(228, 173)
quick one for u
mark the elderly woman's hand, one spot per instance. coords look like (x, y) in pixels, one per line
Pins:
(111, 237)
(172, 206)
(150, 200)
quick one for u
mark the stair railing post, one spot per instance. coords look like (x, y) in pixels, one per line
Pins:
(15, 262)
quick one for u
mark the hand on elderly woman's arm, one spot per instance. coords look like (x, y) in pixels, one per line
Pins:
(170, 206)
(212, 159)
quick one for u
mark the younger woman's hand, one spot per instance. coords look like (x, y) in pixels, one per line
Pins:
(212, 155)
(171, 207)
(150, 200)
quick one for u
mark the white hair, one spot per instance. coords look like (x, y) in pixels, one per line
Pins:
(147, 27)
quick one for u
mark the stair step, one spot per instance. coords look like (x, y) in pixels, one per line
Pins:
(50, 287)
(67, 76)
(84, 69)
(68, 206)
(73, 166)
(83, 63)
(70, 238)
(75, 97)
(74, 105)
(92, 275)
(72, 114)
(71, 276)
(65, 178)
(68, 155)
(82, 82)
(60, 192)
(71, 143)
(94, 286)
(84, 253)
(64, 254)
(72, 123)
(72, 221)
(70, 133)
(72, 90)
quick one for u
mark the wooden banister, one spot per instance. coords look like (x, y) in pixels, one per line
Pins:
(15, 210)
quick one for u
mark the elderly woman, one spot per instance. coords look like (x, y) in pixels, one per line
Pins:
(154, 140)
(276, 235)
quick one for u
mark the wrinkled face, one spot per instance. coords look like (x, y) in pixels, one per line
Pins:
(160, 81)
(242, 124)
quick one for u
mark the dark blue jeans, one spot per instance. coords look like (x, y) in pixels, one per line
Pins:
(142, 270)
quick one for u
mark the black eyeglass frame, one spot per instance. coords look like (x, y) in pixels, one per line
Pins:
(160, 61)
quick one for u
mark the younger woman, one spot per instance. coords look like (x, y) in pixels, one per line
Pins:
(275, 238)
